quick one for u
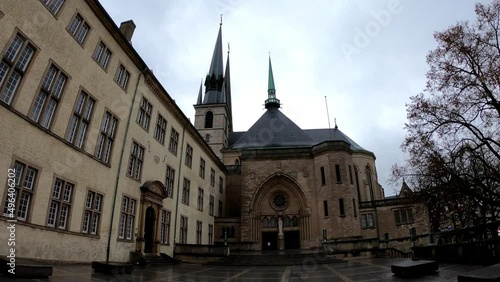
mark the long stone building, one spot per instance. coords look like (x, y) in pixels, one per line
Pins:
(105, 161)
(99, 162)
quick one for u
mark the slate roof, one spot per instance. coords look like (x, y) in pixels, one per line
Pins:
(275, 130)
(322, 135)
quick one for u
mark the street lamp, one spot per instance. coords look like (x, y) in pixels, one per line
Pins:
(324, 235)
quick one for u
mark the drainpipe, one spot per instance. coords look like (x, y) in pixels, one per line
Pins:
(108, 247)
(178, 189)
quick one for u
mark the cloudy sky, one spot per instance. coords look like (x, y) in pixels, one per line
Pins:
(367, 57)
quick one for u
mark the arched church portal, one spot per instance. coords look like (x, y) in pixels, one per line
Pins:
(281, 217)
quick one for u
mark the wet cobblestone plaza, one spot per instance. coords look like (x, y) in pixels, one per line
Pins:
(353, 270)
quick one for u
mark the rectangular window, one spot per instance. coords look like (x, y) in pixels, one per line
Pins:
(220, 209)
(211, 207)
(354, 208)
(199, 227)
(102, 55)
(144, 114)
(189, 156)
(350, 175)
(106, 137)
(48, 97)
(200, 199)
(404, 216)
(169, 181)
(161, 129)
(185, 191)
(92, 213)
(221, 185)
(53, 5)
(183, 230)
(325, 208)
(174, 140)
(202, 168)
(165, 227)
(80, 120)
(25, 184)
(122, 76)
(367, 221)
(210, 234)
(397, 217)
(212, 177)
(135, 163)
(341, 207)
(337, 173)
(323, 177)
(13, 66)
(127, 218)
(60, 204)
(79, 28)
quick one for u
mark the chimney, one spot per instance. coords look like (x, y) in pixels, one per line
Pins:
(127, 29)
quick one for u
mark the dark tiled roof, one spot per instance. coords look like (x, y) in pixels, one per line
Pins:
(234, 136)
(322, 135)
(274, 129)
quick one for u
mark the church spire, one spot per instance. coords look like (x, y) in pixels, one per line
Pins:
(227, 91)
(216, 64)
(199, 101)
(214, 79)
(271, 101)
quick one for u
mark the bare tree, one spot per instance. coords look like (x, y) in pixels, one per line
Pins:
(453, 129)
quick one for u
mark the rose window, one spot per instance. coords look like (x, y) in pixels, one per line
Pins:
(279, 201)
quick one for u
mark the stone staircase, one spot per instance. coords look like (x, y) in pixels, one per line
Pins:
(157, 260)
(272, 259)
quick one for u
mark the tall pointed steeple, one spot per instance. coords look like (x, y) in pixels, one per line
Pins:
(214, 79)
(213, 117)
(271, 101)
(227, 90)
(216, 63)
(199, 101)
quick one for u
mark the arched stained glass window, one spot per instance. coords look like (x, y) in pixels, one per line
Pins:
(265, 222)
(274, 222)
(286, 221)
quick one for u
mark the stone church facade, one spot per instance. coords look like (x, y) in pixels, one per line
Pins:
(106, 166)
(293, 188)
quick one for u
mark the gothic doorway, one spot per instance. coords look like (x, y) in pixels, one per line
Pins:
(280, 217)
(269, 241)
(292, 240)
(149, 224)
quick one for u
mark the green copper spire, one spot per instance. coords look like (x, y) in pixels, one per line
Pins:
(271, 101)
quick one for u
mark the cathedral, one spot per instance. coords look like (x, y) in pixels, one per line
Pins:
(99, 163)
(287, 187)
